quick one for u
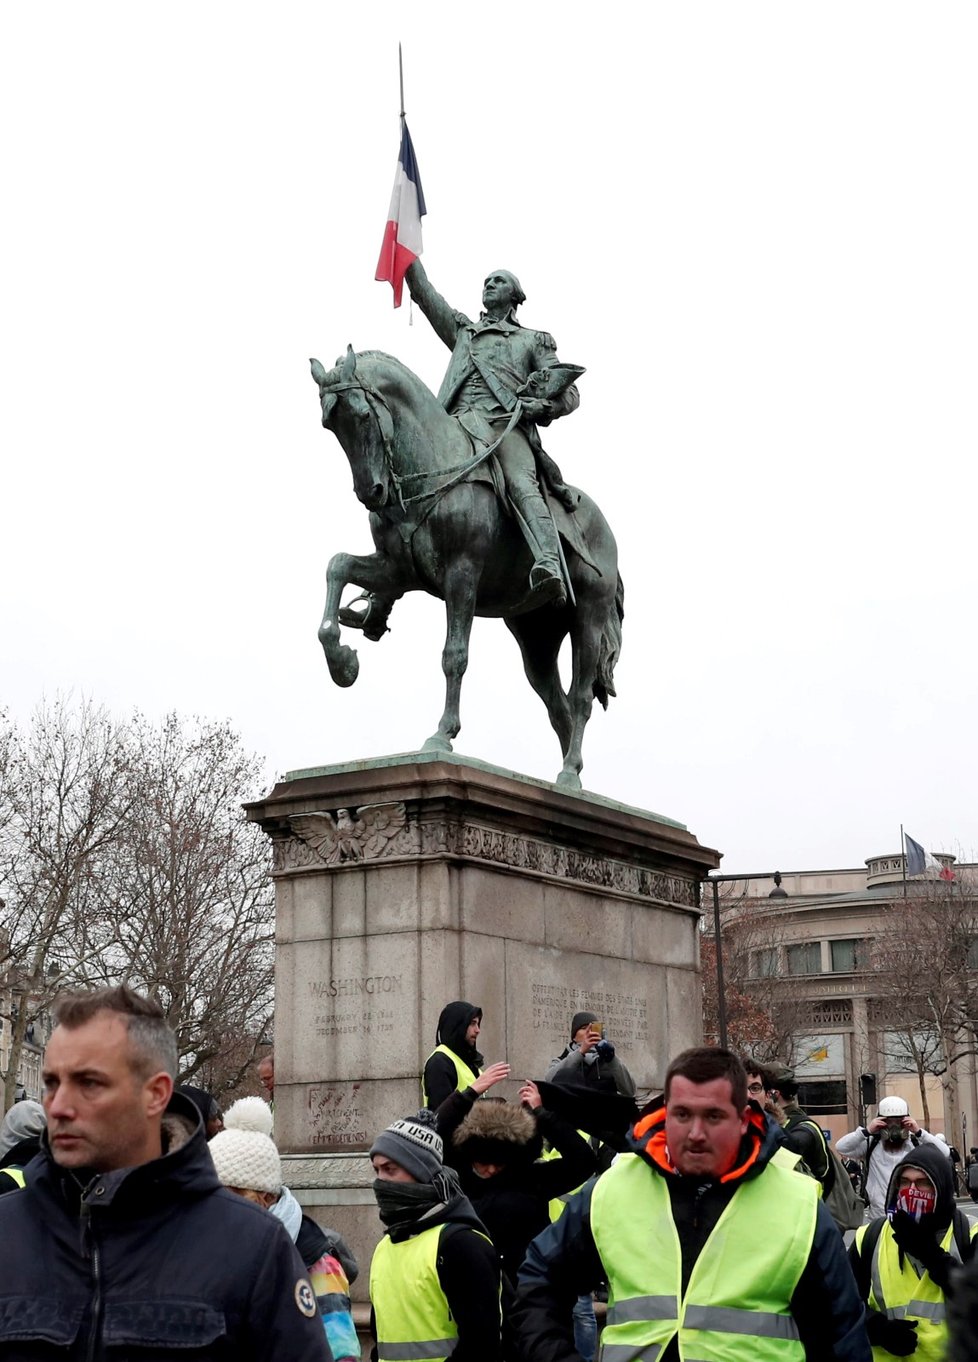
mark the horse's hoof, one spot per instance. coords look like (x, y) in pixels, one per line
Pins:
(344, 665)
(437, 743)
(569, 780)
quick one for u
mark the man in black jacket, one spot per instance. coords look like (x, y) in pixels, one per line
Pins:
(454, 1063)
(775, 1274)
(904, 1261)
(434, 1277)
(20, 1141)
(801, 1134)
(123, 1242)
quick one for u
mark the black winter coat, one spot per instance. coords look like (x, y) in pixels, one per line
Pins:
(149, 1264)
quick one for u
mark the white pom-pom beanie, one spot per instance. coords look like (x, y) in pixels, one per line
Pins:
(244, 1154)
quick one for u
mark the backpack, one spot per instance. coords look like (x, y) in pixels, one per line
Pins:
(845, 1205)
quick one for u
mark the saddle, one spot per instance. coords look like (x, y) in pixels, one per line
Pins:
(562, 499)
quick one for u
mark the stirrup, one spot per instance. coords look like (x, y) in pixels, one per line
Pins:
(372, 621)
(546, 587)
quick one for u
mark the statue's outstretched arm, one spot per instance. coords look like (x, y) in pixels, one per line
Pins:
(443, 317)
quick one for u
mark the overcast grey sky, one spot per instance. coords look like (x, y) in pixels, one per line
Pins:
(755, 224)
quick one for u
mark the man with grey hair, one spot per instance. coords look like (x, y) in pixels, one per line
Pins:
(123, 1240)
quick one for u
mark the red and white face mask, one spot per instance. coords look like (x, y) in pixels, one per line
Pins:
(916, 1200)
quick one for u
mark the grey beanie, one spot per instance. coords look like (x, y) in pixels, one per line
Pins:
(414, 1143)
(580, 1019)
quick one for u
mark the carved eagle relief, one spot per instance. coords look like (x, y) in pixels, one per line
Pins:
(350, 835)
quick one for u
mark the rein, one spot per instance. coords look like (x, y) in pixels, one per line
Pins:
(455, 474)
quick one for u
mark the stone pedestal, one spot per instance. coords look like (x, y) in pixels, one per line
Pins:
(407, 882)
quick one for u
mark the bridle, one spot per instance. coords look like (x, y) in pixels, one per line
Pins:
(381, 412)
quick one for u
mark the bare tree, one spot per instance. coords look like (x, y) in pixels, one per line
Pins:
(64, 800)
(767, 1011)
(924, 958)
(125, 856)
(190, 896)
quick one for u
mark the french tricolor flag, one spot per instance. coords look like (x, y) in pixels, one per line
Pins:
(402, 236)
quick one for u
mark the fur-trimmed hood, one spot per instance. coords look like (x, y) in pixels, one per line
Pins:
(498, 1132)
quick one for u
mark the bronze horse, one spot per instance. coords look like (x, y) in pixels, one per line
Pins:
(439, 526)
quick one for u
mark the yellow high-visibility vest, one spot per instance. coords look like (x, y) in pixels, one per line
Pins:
(636, 1238)
(464, 1076)
(414, 1322)
(900, 1294)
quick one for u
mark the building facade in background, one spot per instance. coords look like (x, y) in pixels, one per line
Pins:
(869, 982)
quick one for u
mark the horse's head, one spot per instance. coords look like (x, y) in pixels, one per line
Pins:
(358, 416)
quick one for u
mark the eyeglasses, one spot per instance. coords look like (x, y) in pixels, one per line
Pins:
(755, 1089)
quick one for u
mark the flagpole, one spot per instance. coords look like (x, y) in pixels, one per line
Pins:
(903, 856)
(400, 72)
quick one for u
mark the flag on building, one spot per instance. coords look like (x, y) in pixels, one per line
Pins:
(920, 861)
(402, 235)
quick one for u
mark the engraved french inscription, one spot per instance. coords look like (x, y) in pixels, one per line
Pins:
(335, 1118)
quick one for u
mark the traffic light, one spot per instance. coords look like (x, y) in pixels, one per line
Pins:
(867, 1089)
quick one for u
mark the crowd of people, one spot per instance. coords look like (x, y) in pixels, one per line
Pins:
(139, 1221)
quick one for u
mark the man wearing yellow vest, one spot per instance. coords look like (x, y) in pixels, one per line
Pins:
(20, 1141)
(710, 1250)
(903, 1261)
(455, 1063)
(434, 1277)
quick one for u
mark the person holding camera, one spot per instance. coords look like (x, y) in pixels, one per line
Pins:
(590, 1061)
(589, 1057)
(881, 1145)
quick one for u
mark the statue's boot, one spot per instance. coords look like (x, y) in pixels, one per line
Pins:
(373, 620)
(546, 577)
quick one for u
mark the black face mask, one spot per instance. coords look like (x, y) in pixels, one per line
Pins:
(400, 1203)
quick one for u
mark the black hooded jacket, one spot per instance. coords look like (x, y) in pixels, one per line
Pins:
(18, 1157)
(155, 1261)
(920, 1240)
(563, 1262)
(440, 1077)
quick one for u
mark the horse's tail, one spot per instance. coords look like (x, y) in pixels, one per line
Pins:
(609, 647)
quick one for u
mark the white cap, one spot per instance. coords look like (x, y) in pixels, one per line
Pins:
(893, 1106)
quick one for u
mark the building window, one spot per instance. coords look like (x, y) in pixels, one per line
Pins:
(764, 963)
(849, 956)
(805, 958)
(823, 1099)
(971, 959)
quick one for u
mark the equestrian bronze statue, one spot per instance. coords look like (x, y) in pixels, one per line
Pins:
(465, 504)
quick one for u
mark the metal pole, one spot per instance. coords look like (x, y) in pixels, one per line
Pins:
(400, 67)
(721, 998)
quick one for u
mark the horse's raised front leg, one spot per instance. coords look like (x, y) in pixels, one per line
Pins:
(374, 572)
(460, 594)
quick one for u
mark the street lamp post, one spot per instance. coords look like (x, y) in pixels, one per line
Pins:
(716, 881)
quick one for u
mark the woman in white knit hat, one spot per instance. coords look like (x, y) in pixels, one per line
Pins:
(248, 1163)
